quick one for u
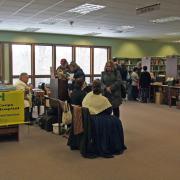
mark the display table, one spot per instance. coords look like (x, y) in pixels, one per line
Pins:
(173, 92)
(168, 92)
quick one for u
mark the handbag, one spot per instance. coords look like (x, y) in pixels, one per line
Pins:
(66, 115)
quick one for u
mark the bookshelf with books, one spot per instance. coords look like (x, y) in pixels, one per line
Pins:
(178, 68)
(156, 65)
(173, 66)
(129, 62)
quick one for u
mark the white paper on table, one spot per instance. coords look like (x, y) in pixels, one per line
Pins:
(71, 76)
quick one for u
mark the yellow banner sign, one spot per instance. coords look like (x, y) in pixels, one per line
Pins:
(11, 107)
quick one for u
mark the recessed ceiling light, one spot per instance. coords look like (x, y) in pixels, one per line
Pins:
(166, 19)
(86, 8)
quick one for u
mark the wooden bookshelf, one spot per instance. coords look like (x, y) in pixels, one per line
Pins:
(173, 66)
(129, 62)
(156, 65)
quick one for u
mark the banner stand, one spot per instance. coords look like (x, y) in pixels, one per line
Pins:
(11, 112)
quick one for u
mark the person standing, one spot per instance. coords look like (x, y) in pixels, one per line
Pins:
(111, 86)
(21, 84)
(62, 71)
(135, 84)
(144, 83)
(75, 73)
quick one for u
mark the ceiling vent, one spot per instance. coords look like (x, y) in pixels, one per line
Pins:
(118, 31)
(148, 8)
(51, 21)
(31, 29)
(92, 34)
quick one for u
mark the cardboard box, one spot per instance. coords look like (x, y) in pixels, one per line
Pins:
(159, 98)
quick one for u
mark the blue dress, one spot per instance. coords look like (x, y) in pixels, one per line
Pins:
(107, 134)
(103, 135)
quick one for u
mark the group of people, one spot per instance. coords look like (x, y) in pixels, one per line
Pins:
(141, 84)
(137, 82)
(111, 82)
(103, 100)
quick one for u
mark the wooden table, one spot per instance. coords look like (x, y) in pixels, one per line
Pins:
(10, 130)
(168, 91)
(173, 91)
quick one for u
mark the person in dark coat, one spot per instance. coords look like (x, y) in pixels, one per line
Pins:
(144, 83)
(77, 94)
(76, 70)
(111, 86)
(75, 73)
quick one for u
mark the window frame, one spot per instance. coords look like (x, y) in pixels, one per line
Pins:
(33, 76)
(1, 62)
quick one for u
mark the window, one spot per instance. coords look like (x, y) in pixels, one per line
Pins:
(100, 59)
(43, 60)
(21, 59)
(36, 60)
(63, 52)
(83, 58)
(41, 80)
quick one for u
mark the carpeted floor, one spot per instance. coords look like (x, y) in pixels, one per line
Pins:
(152, 136)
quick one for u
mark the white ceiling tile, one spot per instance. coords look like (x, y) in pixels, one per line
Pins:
(18, 14)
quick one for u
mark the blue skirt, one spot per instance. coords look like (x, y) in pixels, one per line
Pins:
(107, 135)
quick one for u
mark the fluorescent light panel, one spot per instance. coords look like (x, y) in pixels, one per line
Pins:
(173, 33)
(125, 27)
(178, 41)
(86, 8)
(166, 19)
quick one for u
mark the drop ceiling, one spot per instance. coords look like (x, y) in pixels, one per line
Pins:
(54, 16)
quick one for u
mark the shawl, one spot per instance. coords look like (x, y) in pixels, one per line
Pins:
(96, 103)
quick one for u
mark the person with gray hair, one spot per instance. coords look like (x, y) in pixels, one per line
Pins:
(21, 84)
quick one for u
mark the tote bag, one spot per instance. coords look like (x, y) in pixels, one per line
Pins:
(66, 116)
